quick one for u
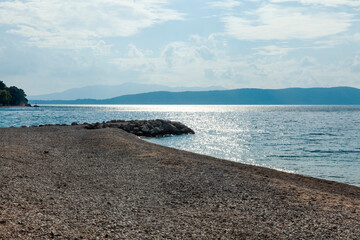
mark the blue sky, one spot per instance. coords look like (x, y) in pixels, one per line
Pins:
(53, 45)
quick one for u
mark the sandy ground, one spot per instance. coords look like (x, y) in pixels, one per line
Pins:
(67, 182)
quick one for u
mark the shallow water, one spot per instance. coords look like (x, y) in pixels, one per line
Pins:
(319, 141)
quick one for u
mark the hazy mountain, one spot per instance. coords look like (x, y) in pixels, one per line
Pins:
(103, 91)
(290, 96)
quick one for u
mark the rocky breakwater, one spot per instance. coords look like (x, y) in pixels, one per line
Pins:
(145, 128)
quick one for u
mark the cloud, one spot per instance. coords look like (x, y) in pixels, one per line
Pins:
(224, 4)
(272, 22)
(77, 43)
(337, 40)
(196, 62)
(101, 49)
(229, 4)
(184, 63)
(273, 50)
(355, 65)
(329, 3)
(81, 24)
(178, 63)
(307, 61)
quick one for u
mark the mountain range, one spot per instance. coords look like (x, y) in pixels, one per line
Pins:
(246, 96)
(111, 91)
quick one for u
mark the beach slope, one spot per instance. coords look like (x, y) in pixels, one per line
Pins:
(68, 182)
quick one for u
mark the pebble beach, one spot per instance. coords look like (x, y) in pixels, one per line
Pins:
(69, 182)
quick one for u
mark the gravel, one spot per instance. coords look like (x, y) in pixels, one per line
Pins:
(67, 182)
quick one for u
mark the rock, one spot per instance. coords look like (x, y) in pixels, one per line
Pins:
(90, 126)
(113, 125)
(155, 132)
(170, 129)
(145, 128)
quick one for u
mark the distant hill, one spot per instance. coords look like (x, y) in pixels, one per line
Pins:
(103, 91)
(289, 96)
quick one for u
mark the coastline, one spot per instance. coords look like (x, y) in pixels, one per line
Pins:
(70, 182)
(15, 106)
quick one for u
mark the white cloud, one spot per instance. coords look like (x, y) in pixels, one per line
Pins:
(277, 47)
(184, 63)
(101, 48)
(307, 61)
(228, 4)
(273, 50)
(81, 23)
(178, 63)
(355, 65)
(337, 40)
(272, 22)
(224, 4)
(329, 3)
(136, 60)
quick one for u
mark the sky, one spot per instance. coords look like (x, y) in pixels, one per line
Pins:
(52, 45)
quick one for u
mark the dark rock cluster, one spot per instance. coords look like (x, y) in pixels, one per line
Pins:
(145, 128)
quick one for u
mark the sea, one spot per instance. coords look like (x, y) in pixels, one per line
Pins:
(317, 141)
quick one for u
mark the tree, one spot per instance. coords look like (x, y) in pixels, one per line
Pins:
(2, 85)
(5, 97)
(12, 96)
(18, 96)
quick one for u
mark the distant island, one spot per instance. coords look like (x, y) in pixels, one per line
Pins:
(246, 96)
(111, 91)
(12, 96)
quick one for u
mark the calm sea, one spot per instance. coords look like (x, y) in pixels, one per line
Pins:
(318, 141)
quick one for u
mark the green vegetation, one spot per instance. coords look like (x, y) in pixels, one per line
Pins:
(12, 96)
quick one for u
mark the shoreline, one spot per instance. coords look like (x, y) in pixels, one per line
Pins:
(68, 182)
(257, 166)
(15, 106)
